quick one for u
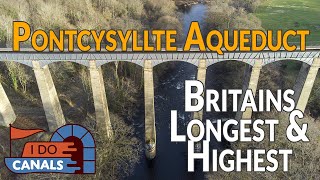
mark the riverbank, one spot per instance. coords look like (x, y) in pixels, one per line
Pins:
(188, 3)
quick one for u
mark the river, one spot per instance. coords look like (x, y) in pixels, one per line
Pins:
(171, 158)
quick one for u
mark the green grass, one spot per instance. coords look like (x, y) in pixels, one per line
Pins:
(292, 14)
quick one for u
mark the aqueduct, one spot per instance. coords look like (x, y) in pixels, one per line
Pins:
(94, 60)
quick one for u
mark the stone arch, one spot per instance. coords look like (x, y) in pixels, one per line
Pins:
(246, 57)
(280, 74)
(307, 61)
(303, 56)
(73, 87)
(212, 62)
(103, 62)
(47, 62)
(25, 83)
(24, 62)
(158, 62)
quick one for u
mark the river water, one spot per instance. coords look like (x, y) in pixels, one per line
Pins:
(195, 13)
(171, 159)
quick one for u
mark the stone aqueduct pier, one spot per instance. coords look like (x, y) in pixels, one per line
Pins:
(93, 60)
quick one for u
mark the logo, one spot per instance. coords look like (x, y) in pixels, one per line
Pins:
(71, 150)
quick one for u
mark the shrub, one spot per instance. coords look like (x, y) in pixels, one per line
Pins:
(227, 14)
(18, 76)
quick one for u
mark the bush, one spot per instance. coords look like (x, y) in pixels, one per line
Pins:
(249, 5)
(117, 158)
(18, 76)
(225, 14)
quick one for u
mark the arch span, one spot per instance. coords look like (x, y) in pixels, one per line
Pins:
(80, 62)
(303, 56)
(104, 62)
(212, 62)
(25, 56)
(157, 63)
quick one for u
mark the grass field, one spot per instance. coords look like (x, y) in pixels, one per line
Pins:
(292, 14)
